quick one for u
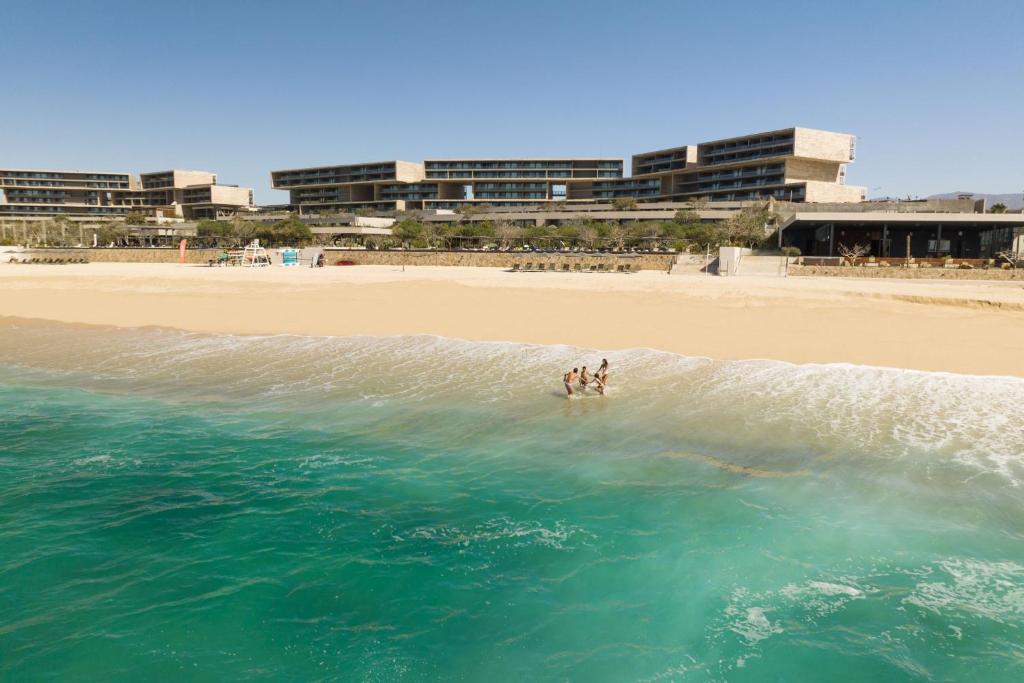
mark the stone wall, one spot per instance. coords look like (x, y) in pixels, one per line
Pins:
(138, 255)
(908, 273)
(494, 259)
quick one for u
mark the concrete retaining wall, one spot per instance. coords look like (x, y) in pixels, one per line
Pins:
(139, 255)
(493, 259)
(490, 259)
(908, 273)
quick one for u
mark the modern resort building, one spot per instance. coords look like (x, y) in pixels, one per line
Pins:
(799, 172)
(793, 164)
(92, 194)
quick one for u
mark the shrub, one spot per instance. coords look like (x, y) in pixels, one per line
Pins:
(791, 251)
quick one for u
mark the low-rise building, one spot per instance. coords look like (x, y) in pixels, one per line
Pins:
(174, 194)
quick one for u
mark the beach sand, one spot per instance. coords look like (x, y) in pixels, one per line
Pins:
(963, 327)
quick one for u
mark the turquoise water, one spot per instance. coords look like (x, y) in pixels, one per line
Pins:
(179, 506)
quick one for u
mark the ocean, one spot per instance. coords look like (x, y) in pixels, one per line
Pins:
(180, 506)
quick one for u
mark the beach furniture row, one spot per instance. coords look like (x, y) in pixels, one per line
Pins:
(35, 260)
(531, 267)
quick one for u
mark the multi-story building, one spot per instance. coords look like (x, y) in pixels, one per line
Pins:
(193, 194)
(441, 183)
(795, 164)
(83, 193)
(169, 194)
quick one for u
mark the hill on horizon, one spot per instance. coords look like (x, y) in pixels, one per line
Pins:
(1013, 200)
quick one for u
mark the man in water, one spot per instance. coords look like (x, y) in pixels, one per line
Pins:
(585, 378)
(569, 378)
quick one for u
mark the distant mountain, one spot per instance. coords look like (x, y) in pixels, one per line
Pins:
(1012, 200)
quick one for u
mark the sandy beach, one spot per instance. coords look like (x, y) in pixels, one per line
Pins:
(962, 327)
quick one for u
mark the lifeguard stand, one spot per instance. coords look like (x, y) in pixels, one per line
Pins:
(254, 255)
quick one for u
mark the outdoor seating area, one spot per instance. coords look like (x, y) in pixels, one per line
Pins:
(947, 263)
(253, 255)
(227, 258)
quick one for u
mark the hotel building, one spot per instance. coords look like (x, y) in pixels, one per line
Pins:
(794, 164)
(167, 194)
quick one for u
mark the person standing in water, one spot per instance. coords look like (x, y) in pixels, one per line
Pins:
(585, 378)
(569, 378)
(602, 373)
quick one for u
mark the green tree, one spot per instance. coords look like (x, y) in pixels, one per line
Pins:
(539, 235)
(111, 232)
(408, 231)
(998, 208)
(214, 229)
(245, 230)
(701, 235)
(291, 230)
(568, 231)
(686, 217)
(508, 234)
(624, 203)
(135, 218)
(745, 228)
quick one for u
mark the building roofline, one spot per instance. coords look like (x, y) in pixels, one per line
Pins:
(177, 170)
(904, 217)
(59, 170)
(526, 159)
(355, 163)
(659, 151)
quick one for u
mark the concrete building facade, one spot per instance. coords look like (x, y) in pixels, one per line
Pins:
(442, 183)
(168, 194)
(793, 164)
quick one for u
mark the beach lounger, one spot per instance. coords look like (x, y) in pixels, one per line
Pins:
(529, 266)
(515, 267)
(565, 267)
(577, 267)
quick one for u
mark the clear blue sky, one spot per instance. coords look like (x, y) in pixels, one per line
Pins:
(934, 89)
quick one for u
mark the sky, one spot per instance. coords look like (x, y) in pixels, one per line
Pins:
(934, 90)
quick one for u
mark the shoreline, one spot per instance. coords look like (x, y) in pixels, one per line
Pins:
(957, 327)
(18, 322)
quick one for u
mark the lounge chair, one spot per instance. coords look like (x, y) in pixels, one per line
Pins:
(577, 267)
(529, 266)
(600, 267)
(515, 267)
(565, 267)
(540, 266)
